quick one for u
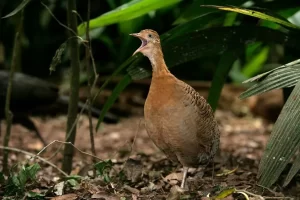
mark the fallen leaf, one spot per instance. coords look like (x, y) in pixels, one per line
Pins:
(173, 178)
(104, 196)
(66, 197)
(226, 192)
(175, 193)
(133, 170)
(59, 188)
(131, 189)
(227, 172)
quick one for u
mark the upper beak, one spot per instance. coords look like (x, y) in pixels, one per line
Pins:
(135, 34)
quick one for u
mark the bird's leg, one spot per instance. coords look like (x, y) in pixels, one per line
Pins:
(185, 171)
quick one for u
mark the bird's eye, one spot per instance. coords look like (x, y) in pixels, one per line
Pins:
(149, 35)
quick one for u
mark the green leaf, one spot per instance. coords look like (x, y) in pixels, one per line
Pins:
(225, 193)
(32, 170)
(131, 10)
(208, 42)
(280, 77)
(17, 9)
(197, 24)
(284, 141)
(293, 171)
(219, 79)
(235, 73)
(75, 177)
(254, 65)
(194, 10)
(73, 183)
(103, 168)
(254, 13)
(35, 195)
(110, 101)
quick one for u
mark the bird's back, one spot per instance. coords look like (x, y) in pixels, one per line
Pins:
(180, 122)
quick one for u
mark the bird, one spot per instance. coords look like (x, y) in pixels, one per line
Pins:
(178, 119)
(34, 96)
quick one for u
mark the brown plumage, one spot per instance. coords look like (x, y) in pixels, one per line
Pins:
(178, 120)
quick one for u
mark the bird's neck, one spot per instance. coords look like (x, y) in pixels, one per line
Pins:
(159, 66)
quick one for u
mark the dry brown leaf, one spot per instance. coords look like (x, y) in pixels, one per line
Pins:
(173, 178)
(131, 189)
(104, 196)
(66, 197)
(175, 193)
(133, 170)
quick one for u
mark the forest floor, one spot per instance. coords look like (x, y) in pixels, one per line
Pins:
(133, 168)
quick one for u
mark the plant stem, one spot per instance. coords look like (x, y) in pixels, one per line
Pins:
(74, 86)
(91, 76)
(8, 113)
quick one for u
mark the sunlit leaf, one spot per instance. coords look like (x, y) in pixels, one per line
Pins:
(254, 13)
(284, 141)
(130, 10)
(254, 65)
(17, 9)
(224, 193)
(236, 74)
(227, 172)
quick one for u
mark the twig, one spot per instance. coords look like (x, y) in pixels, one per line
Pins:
(74, 11)
(259, 196)
(93, 156)
(89, 71)
(60, 23)
(273, 192)
(34, 156)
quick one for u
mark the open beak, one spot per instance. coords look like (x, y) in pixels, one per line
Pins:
(144, 42)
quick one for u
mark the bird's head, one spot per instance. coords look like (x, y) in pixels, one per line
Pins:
(150, 41)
